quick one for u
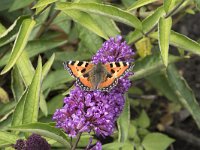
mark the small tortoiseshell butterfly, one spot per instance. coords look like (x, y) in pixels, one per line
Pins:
(99, 76)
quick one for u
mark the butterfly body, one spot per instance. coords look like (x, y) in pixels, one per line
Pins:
(99, 76)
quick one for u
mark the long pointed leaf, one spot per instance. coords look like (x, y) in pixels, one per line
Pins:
(185, 94)
(19, 110)
(25, 68)
(123, 122)
(102, 9)
(32, 100)
(8, 137)
(10, 34)
(149, 65)
(87, 21)
(140, 3)
(17, 85)
(181, 41)
(164, 28)
(20, 43)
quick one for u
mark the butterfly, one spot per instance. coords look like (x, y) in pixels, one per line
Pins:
(103, 77)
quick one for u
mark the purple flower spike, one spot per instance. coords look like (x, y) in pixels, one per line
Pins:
(114, 50)
(85, 111)
(34, 142)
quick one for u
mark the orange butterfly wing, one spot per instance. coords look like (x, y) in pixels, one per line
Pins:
(118, 69)
(108, 84)
(79, 70)
(115, 70)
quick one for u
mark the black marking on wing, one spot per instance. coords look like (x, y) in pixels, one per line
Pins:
(108, 76)
(83, 70)
(117, 64)
(86, 64)
(125, 63)
(112, 71)
(111, 65)
(79, 63)
(72, 62)
(86, 75)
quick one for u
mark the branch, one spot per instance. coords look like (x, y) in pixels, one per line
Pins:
(77, 140)
(185, 136)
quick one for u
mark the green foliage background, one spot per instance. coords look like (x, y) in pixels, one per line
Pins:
(37, 36)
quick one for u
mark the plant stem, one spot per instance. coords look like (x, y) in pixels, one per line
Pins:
(46, 24)
(166, 16)
(77, 140)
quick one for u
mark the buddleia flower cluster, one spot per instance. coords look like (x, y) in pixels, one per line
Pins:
(34, 142)
(86, 111)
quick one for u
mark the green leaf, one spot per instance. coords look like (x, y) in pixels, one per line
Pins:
(134, 36)
(159, 81)
(128, 146)
(151, 21)
(63, 22)
(43, 105)
(6, 108)
(112, 146)
(35, 47)
(124, 122)
(127, 3)
(104, 10)
(91, 41)
(4, 143)
(2, 29)
(10, 34)
(64, 56)
(45, 70)
(8, 137)
(87, 21)
(17, 4)
(32, 100)
(149, 65)
(55, 103)
(156, 141)
(184, 92)
(20, 43)
(45, 130)
(56, 78)
(143, 120)
(5, 4)
(3, 96)
(25, 68)
(19, 110)
(169, 4)
(17, 85)
(197, 3)
(43, 3)
(108, 25)
(140, 3)
(47, 66)
(164, 28)
(181, 41)
(147, 25)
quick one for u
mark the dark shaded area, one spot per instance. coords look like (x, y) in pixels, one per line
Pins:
(190, 68)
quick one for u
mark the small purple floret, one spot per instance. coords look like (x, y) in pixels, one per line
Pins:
(97, 146)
